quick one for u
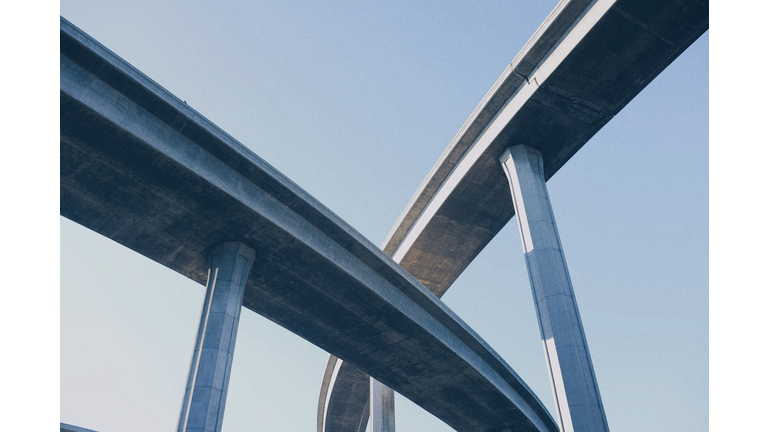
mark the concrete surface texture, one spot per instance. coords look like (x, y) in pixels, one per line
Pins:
(583, 65)
(574, 385)
(586, 61)
(382, 407)
(205, 397)
(641, 280)
(140, 167)
(348, 409)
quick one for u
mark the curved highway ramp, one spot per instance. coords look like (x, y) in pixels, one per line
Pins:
(586, 62)
(140, 167)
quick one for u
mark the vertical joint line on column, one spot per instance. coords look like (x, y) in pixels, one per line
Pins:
(192, 358)
(200, 349)
(558, 386)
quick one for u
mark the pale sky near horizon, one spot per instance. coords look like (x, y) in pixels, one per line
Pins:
(355, 103)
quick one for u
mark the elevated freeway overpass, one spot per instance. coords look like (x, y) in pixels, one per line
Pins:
(130, 230)
(585, 63)
(140, 167)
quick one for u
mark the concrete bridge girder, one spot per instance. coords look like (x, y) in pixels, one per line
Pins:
(586, 62)
(145, 170)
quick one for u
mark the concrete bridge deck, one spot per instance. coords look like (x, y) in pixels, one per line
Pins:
(585, 63)
(140, 167)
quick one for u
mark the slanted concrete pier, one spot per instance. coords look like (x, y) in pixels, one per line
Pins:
(206, 394)
(577, 398)
(382, 407)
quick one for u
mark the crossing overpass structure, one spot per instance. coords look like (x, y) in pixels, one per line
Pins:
(579, 69)
(144, 169)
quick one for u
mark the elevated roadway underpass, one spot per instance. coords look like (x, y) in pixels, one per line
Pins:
(586, 62)
(140, 167)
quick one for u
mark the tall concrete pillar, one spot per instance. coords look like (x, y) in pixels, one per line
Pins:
(382, 407)
(577, 398)
(202, 409)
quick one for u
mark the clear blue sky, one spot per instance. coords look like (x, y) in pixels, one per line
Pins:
(355, 101)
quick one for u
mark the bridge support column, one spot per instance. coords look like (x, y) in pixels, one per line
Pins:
(577, 398)
(202, 409)
(382, 407)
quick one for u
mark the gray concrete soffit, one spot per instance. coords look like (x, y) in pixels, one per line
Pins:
(533, 56)
(562, 18)
(542, 42)
(119, 74)
(122, 134)
(666, 28)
